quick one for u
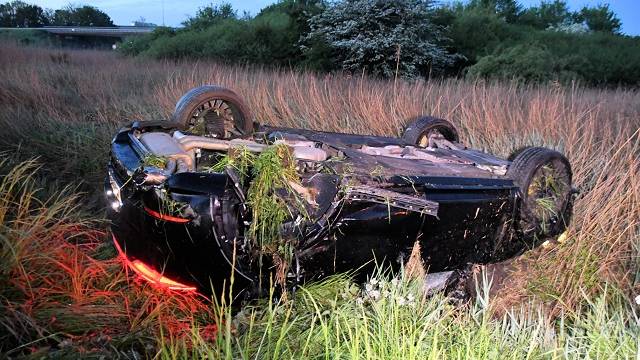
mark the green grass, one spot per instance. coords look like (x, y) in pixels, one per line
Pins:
(155, 161)
(272, 201)
(268, 177)
(239, 159)
(389, 318)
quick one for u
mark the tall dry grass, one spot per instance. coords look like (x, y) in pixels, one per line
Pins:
(60, 283)
(65, 112)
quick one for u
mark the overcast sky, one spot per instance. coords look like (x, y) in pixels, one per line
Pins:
(123, 12)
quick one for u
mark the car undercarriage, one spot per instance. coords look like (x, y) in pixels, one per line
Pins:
(211, 198)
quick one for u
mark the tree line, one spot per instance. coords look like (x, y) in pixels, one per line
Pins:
(412, 38)
(18, 14)
(493, 39)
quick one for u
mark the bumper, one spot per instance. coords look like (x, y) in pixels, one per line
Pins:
(175, 252)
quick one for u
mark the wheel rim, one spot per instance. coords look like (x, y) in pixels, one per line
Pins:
(423, 140)
(217, 118)
(548, 193)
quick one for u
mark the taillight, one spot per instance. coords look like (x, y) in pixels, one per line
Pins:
(166, 217)
(150, 274)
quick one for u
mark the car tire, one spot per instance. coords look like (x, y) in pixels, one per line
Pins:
(517, 152)
(211, 110)
(417, 131)
(543, 177)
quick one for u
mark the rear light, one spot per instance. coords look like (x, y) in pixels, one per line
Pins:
(150, 274)
(166, 217)
(154, 277)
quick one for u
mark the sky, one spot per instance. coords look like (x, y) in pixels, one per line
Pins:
(123, 12)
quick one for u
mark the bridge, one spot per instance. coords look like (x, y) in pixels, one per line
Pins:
(113, 31)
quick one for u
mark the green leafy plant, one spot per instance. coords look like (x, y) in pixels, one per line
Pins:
(273, 172)
(155, 161)
(239, 159)
(271, 197)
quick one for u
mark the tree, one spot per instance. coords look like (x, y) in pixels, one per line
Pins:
(31, 16)
(8, 14)
(210, 15)
(547, 14)
(20, 14)
(508, 10)
(381, 37)
(81, 16)
(476, 32)
(599, 18)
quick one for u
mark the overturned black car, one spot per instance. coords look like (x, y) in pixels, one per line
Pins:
(211, 195)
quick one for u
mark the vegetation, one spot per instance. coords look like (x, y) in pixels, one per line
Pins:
(20, 14)
(217, 32)
(492, 39)
(480, 38)
(383, 38)
(268, 178)
(274, 172)
(239, 160)
(80, 16)
(159, 162)
(64, 293)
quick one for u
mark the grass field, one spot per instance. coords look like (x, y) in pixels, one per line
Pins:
(64, 294)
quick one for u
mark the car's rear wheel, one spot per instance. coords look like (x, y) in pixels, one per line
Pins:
(214, 111)
(420, 130)
(544, 178)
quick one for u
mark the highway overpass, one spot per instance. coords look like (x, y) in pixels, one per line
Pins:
(113, 31)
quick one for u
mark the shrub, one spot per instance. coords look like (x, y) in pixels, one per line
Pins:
(527, 62)
(594, 58)
(270, 38)
(382, 37)
(210, 15)
(135, 45)
(477, 32)
(273, 39)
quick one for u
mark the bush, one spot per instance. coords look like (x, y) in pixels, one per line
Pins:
(273, 39)
(210, 15)
(528, 62)
(595, 58)
(135, 45)
(477, 32)
(28, 37)
(270, 38)
(483, 38)
(383, 38)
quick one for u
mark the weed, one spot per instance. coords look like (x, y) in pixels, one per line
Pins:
(240, 159)
(273, 172)
(159, 162)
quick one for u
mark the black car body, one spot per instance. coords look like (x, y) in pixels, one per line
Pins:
(373, 198)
